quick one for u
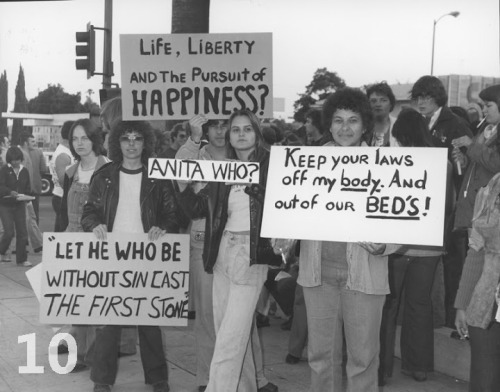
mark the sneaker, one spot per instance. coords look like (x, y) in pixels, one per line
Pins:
(24, 264)
(269, 387)
(161, 386)
(5, 258)
(417, 376)
(102, 388)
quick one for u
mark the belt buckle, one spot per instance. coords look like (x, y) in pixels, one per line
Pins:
(200, 236)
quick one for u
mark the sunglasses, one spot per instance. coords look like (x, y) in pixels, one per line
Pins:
(131, 138)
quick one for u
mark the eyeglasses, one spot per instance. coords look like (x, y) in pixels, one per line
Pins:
(131, 138)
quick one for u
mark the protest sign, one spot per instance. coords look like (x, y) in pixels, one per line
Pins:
(388, 195)
(202, 170)
(180, 75)
(125, 280)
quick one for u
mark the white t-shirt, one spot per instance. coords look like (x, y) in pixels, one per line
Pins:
(128, 212)
(238, 209)
(61, 149)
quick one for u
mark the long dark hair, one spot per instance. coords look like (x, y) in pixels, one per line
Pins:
(260, 144)
(410, 130)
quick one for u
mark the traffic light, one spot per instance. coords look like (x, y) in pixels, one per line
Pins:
(86, 51)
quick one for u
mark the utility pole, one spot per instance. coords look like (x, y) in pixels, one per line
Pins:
(107, 63)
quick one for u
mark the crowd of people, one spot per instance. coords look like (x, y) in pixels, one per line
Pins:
(342, 299)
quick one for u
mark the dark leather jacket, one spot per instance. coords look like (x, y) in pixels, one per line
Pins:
(158, 205)
(211, 203)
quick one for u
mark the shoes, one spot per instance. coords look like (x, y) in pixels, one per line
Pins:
(161, 386)
(62, 349)
(417, 376)
(24, 264)
(102, 388)
(269, 387)
(292, 359)
(5, 258)
(202, 388)
(80, 367)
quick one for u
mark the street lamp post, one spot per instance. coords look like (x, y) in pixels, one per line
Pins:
(454, 14)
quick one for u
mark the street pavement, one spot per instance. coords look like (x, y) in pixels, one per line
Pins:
(19, 318)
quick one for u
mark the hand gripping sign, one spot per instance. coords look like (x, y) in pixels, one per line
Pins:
(389, 195)
(125, 280)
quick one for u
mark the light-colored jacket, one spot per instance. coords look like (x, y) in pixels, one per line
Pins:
(367, 273)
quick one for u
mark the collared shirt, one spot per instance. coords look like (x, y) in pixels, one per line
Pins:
(434, 117)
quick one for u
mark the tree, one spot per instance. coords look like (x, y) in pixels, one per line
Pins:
(4, 103)
(54, 100)
(323, 83)
(190, 16)
(90, 106)
(20, 106)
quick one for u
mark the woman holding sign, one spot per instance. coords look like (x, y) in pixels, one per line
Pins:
(345, 284)
(236, 254)
(86, 146)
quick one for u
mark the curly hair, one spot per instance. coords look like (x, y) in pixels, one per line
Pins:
(347, 98)
(122, 127)
(93, 132)
(382, 88)
(430, 86)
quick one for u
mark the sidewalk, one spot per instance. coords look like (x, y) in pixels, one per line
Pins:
(19, 316)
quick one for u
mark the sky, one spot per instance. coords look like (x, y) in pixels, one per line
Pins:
(363, 41)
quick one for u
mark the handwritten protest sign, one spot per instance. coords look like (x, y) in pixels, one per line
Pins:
(125, 280)
(389, 195)
(201, 170)
(180, 75)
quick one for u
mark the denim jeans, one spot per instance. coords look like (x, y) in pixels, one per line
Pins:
(236, 289)
(105, 354)
(14, 223)
(200, 284)
(331, 308)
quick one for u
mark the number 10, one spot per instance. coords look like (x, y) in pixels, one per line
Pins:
(31, 366)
